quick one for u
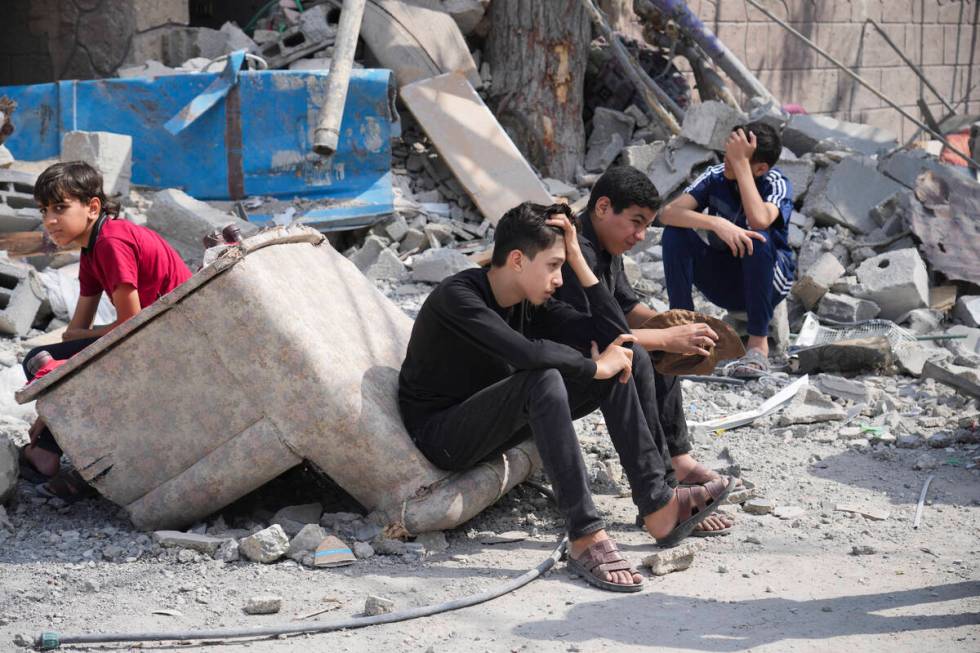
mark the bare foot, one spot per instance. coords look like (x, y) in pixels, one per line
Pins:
(716, 522)
(760, 343)
(577, 547)
(44, 461)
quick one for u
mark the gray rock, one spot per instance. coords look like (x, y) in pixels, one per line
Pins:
(434, 542)
(268, 545)
(923, 320)
(811, 407)
(9, 468)
(897, 281)
(909, 441)
(926, 463)
(667, 561)
(307, 540)
(413, 239)
(388, 547)
(846, 193)
(800, 173)
(387, 267)
(788, 512)
(844, 308)
(184, 221)
(368, 254)
(817, 279)
(904, 166)
(759, 506)
(709, 123)
(227, 552)
(967, 310)
(641, 157)
(863, 550)
(263, 604)
(673, 164)
(111, 154)
(363, 550)
(841, 388)
(375, 605)
(911, 357)
(435, 265)
(194, 541)
(805, 133)
(611, 131)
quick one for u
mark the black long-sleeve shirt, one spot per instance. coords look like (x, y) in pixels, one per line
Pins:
(463, 341)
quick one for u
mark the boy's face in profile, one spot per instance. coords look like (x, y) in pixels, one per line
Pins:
(619, 232)
(68, 220)
(540, 276)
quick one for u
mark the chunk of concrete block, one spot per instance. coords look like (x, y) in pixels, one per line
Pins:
(967, 310)
(817, 280)
(18, 210)
(21, 295)
(434, 265)
(185, 221)
(110, 154)
(611, 131)
(806, 133)
(965, 379)
(388, 267)
(466, 13)
(369, 252)
(847, 357)
(263, 604)
(811, 407)
(667, 561)
(800, 173)
(841, 388)
(923, 320)
(905, 166)
(641, 157)
(9, 468)
(672, 165)
(846, 193)
(710, 123)
(896, 281)
(844, 308)
(266, 546)
(194, 541)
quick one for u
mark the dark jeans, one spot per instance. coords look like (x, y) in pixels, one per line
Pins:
(666, 413)
(58, 351)
(540, 403)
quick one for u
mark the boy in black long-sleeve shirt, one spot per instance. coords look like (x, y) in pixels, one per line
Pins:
(473, 385)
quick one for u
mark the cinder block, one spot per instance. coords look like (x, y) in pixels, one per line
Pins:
(845, 194)
(18, 210)
(817, 280)
(844, 308)
(111, 154)
(709, 124)
(311, 34)
(21, 296)
(897, 281)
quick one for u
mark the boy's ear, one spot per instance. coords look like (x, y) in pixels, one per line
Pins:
(515, 259)
(602, 206)
(95, 206)
(759, 169)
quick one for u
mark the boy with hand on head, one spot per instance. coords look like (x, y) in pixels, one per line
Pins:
(745, 204)
(473, 384)
(132, 264)
(622, 205)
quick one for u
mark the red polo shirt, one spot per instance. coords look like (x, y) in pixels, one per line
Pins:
(121, 252)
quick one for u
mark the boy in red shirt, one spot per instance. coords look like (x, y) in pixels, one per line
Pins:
(132, 264)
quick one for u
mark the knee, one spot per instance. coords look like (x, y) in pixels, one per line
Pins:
(762, 251)
(547, 386)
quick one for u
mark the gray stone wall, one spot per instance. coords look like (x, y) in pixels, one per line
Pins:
(941, 36)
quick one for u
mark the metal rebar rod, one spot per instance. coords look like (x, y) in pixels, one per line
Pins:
(956, 106)
(655, 97)
(922, 501)
(860, 80)
(327, 133)
(908, 62)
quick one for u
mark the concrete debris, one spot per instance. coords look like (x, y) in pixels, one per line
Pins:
(759, 506)
(294, 518)
(18, 210)
(672, 164)
(305, 542)
(185, 221)
(806, 133)
(227, 552)
(896, 281)
(841, 388)
(964, 379)
(800, 173)
(363, 550)
(846, 193)
(369, 252)
(905, 166)
(948, 227)
(667, 561)
(21, 296)
(911, 357)
(375, 605)
(193, 541)
(266, 546)
(9, 468)
(611, 131)
(263, 604)
(434, 542)
(435, 265)
(466, 13)
(5, 523)
(922, 320)
(926, 463)
(967, 310)
(817, 280)
(811, 407)
(312, 33)
(111, 154)
(710, 123)
(863, 550)
(844, 308)
(847, 357)
(387, 267)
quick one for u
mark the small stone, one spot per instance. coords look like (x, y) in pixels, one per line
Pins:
(434, 542)
(863, 550)
(200, 543)
(227, 552)
(187, 556)
(264, 604)
(909, 441)
(678, 558)
(307, 540)
(363, 550)
(388, 547)
(752, 539)
(722, 569)
(375, 605)
(90, 586)
(758, 506)
(925, 462)
(266, 546)
(859, 444)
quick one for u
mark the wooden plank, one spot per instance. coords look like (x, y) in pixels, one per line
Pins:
(474, 145)
(416, 40)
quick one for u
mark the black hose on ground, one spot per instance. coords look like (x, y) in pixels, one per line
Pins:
(50, 641)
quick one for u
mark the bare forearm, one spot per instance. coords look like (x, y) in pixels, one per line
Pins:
(757, 216)
(649, 339)
(637, 317)
(675, 216)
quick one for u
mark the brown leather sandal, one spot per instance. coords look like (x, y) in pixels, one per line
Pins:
(596, 564)
(696, 503)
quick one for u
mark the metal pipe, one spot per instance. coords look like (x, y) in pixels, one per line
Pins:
(327, 132)
(860, 80)
(654, 96)
(703, 36)
(908, 62)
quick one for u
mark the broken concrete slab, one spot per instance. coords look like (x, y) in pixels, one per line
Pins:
(673, 162)
(710, 123)
(668, 561)
(911, 357)
(967, 310)
(9, 468)
(846, 193)
(847, 357)
(844, 308)
(473, 144)
(965, 379)
(21, 296)
(800, 173)
(185, 221)
(305, 541)
(949, 228)
(905, 166)
(611, 131)
(387, 267)
(110, 154)
(841, 388)
(759, 506)
(817, 280)
(294, 518)
(434, 265)
(196, 542)
(811, 407)
(805, 133)
(897, 282)
(313, 32)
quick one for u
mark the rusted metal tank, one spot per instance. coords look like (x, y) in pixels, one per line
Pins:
(279, 351)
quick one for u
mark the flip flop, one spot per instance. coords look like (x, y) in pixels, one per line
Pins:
(753, 365)
(599, 559)
(697, 507)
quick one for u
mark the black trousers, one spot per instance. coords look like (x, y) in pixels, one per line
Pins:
(542, 404)
(59, 351)
(666, 412)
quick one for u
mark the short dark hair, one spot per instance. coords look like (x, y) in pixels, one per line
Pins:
(625, 186)
(523, 228)
(72, 179)
(768, 144)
